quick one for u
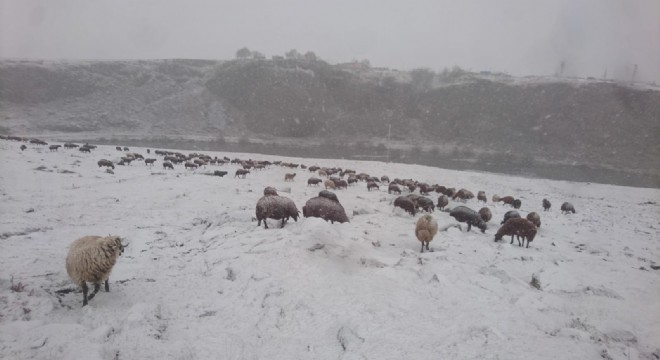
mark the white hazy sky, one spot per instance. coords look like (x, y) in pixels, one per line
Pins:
(521, 37)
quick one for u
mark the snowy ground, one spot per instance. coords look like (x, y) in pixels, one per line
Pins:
(200, 280)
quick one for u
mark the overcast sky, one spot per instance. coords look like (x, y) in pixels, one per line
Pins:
(521, 37)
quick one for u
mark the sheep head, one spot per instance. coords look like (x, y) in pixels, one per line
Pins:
(115, 243)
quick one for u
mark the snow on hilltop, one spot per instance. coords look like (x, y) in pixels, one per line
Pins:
(200, 280)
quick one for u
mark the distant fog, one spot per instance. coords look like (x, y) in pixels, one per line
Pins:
(598, 38)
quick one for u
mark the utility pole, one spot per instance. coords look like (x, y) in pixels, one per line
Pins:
(389, 135)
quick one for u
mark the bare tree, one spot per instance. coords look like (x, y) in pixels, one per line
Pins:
(292, 54)
(422, 79)
(258, 55)
(310, 56)
(243, 53)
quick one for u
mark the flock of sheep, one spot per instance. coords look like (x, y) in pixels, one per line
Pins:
(91, 258)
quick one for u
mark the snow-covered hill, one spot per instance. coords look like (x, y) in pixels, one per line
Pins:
(200, 280)
(610, 129)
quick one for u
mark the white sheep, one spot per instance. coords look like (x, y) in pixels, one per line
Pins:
(425, 230)
(91, 259)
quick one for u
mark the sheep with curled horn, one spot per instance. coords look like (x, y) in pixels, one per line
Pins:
(274, 206)
(91, 259)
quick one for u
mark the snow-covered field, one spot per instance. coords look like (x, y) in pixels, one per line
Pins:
(200, 280)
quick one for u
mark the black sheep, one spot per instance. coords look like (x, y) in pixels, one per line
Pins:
(443, 201)
(325, 206)
(469, 216)
(517, 203)
(511, 214)
(406, 204)
(546, 205)
(273, 206)
(425, 204)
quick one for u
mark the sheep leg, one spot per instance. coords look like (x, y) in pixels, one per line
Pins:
(97, 287)
(427, 245)
(283, 222)
(511, 243)
(422, 247)
(469, 227)
(85, 290)
(107, 286)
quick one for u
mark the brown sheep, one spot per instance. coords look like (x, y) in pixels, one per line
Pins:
(485, 214)
(372, 185)
(507, 200)
(190, 165)
(168, 165)
(496, 198)
(518, 227)
(329, 184)
(393, 188)
(149, 161)
(463, 194)
(425, 230)
(289, 177)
